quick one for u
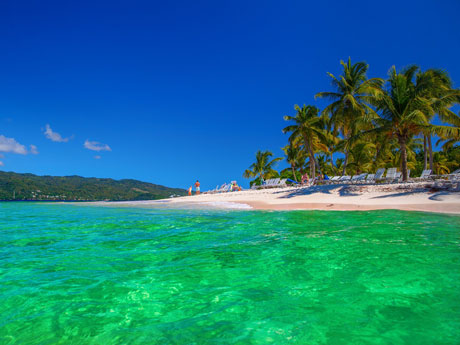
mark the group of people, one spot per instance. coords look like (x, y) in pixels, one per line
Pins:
(233, 188)
(305, 179)
(197, 188)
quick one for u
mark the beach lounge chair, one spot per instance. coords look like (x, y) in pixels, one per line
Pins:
(266, 183)
(358, 178)
(370, 178)
(213, 191)
(282, 183)
(355, 178)
(333, 180)
(391, 174)
(379, 173)
(399, 175)
(224, 188)
(425, 174)
(345, 178)
(221, 188)
(454, 176)
(362, 177)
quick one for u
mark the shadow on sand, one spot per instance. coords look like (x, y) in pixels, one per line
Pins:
(436, 196)
(342, 190)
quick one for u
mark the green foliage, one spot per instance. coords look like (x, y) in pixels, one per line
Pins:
(263, 166)
(377, 123)
(15, 186)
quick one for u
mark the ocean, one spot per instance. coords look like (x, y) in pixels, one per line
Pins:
(79, 274)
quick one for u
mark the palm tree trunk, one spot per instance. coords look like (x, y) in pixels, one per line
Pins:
(425, 153)
(430, 150)
(293, 172)
(402, 144)
(312, 157)
(345, 163)
(332, 165)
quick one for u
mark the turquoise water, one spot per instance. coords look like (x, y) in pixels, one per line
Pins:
(99, 275)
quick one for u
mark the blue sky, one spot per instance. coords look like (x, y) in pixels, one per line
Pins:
(180, 91)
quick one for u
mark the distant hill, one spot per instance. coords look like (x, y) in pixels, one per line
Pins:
(15, 186)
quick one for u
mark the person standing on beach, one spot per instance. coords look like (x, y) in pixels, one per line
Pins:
(190, 191)
(197, 187)
(305, 178)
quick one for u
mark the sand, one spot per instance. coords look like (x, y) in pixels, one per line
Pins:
(428, 197)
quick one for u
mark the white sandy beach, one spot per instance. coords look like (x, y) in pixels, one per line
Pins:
(411, 197)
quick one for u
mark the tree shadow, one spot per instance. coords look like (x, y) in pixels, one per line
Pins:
(342, 190)
(436, 194)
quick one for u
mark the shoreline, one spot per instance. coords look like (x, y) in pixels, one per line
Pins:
(421, 196)
(448, 208)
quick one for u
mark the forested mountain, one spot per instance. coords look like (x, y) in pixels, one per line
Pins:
(15, 186)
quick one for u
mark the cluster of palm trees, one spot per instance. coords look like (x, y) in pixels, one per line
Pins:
(373, 123)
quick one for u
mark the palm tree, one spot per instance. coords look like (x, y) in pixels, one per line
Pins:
(294, 157)
(437, 86)
(263, 166)
(308, 127)
(350, 110)
(362, 154)
(332, 145)
(405, 111)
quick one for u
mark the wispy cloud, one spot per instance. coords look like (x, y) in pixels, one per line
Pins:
(96, 146)
(54, 136)
(33, 150)
(1, 164)
(10, 145)
(97, 157)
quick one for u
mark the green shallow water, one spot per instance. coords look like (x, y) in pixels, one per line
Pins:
(99, 275)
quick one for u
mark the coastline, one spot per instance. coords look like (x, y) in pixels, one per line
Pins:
(421, 196)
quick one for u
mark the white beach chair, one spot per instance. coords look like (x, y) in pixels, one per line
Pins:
(370, 178)
(454, 176)
(266, 183)
(379, 174)
(391, 174)
(362, 177)
(282, 183)
(345, 179)
(425, 174)
(355, 178)
(333, 179)
(399, 175)
(270, 183)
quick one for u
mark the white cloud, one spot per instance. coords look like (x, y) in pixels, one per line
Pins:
(11, 145)
(97, 157)
(33, 150)
(95, 146)
(1, 164)
(54, 136)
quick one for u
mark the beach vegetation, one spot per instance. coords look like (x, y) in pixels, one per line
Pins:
(263, 167)
(372, 123)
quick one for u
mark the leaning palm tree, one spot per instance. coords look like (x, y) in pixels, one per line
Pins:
(263, 166)
(405, 111)
(308, 127)
(350, 110)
